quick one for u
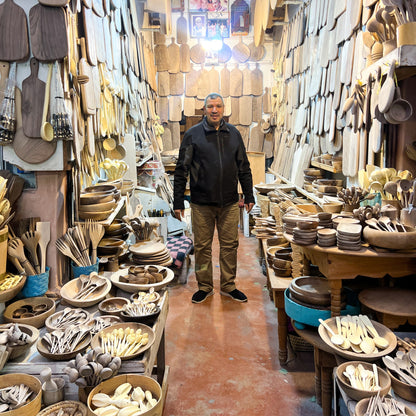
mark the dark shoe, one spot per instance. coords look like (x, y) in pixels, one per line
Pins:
(200, 296)
(235, 294)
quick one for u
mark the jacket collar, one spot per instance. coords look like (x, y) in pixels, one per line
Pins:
(209, 128)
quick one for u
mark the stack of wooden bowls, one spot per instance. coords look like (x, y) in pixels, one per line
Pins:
(311, 291)
(98, 202)
(327, 187)
(349, 236)
(327, 237)
(111, 247)
(118, 228)
(325, 219)
(127, 187)
(305, 231)
(311, 175)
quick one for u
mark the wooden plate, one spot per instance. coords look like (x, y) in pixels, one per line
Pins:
(44, 351)
(382, 330)
(96, 340)
(147, 248)
(133, 288)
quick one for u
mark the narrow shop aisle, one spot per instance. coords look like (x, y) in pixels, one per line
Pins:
(223, 355)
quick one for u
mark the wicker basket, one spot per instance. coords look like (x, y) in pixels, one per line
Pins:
(299, 344)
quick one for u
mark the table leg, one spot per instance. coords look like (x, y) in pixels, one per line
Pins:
(318, 388)
(336, 286)
(160, 370)
(279, 300)
(324, 365)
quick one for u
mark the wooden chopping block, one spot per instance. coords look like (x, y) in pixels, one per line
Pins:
(175, 129)
(185, 58)
(33, 95)
(224, 54)
(107, 42)
(163, 108)
(204, 87)
(159, 38)
(227, 106)
(257, 81)
(256, 52)
(199, 104)
(173, 57)
(167, 138)
(99, 38)
(87, 88)
(245, 133)
(115, 45)
(235, 108)
(268, 145)
(30, 150)
(189, 106)
(176, 83)
(246, 80)
(267, 101)
(256, 140)
(175, 108)
(89, 35)
(214, 79)
(14, 37)
(241, 51)
(197, 53)
(161, 58)
(257, 108)
(245, 110)
(48, 33)
(236, 82)
(182, 30)
(163, 87)
(225, 81)
(191, 83)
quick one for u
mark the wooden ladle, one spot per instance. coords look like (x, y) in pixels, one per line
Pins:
(336, 339)
(391, 188)
(46, 130)
(404, 188)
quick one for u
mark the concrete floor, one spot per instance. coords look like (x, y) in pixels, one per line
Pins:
(223, 355)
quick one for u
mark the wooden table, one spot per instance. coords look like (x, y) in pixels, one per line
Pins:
(278, 285)
(338, 265)
(152, 360)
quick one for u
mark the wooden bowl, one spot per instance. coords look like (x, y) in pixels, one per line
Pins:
(283, 264)
(311, 289)
(307, 224)
(38, 320)
(101, 188)
(382, 330)
(70, 290)
(271, 251)
(362, 405)
(149, 319)
(95, 198)
(18, 350)
(67, 407)
(112, 306)
(132, 288)
(282, 272)
(43, 349)
(108, 319)
(96, 216)
(50, 322)
(117, 232)
(99, 207)
(277, 241)
(109, 246)
(33, 407)
(358, 394)
(402, 389)
(96, 340)
(333, 207)
(6, 295)
(394, 241)
(156, 296)
(146, 383)
(115, 225)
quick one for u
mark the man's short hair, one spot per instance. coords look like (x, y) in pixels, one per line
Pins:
(213, 96)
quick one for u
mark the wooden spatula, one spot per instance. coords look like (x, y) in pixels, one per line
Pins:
(44, 229)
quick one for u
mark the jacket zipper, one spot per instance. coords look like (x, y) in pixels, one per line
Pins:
(220, 150)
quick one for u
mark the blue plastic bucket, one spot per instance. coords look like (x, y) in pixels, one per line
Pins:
(77, 271)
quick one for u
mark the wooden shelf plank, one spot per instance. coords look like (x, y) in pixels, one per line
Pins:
(323, 166)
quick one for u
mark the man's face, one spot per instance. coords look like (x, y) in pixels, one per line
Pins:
(214, 111)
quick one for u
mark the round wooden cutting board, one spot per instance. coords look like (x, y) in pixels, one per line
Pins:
(241, 52)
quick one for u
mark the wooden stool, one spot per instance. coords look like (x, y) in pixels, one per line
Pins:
(393, 306)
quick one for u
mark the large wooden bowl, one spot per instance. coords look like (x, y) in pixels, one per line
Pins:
(358, 394)
(71, 289)
(362, 405)
(393, 241)
(96, 198)
(33, 407)
(98, 207)
(36, 321)
(18, 350)
(132, 287)
(43, 349)
(96, 340)
(311, 289)
(6, 295)
(101, 188)
(146, 383)
(382, 330)
(404, 390)
(50, 326)
(112, 306)
(96, 216)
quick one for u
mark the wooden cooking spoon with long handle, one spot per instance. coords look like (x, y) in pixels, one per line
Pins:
(44, 229)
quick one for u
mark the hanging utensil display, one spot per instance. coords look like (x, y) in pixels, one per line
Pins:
(8, 109)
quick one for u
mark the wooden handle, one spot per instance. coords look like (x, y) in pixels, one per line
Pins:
(47, 92)
(34, 68)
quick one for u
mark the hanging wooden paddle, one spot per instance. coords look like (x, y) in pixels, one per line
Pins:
(173, 57)
(33, 93)
(185, 58)
(181, 30)
(14, 38)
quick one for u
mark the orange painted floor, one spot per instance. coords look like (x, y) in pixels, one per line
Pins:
(223, 355)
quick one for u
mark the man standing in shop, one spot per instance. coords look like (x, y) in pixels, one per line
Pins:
(212, 153)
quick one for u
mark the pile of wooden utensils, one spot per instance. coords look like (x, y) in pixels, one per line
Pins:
(62, 341)
(5, 208)
(77, 242)
(354, 195)
(143, 228)
(23, 251)
(92, 368)
(14, 397)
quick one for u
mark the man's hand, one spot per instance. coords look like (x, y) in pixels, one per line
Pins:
(179, 213)
(248, 207)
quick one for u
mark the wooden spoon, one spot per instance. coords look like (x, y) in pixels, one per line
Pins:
(391, 188)
(404, 188)
(46, 130)
(336, 339)
(44, 229)
(380, 342)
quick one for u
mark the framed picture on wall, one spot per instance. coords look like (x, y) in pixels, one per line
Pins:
(218, 28)
(178, 5)
(240, 18)
(197, 5)
(198, 25)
